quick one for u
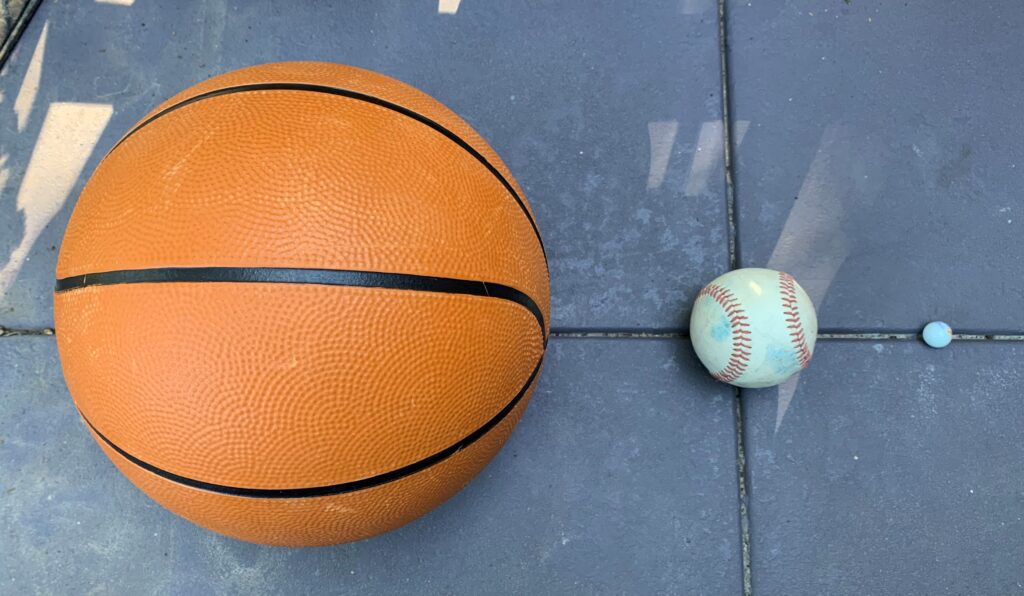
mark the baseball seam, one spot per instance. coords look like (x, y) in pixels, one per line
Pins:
(739, 358)
(787, 288)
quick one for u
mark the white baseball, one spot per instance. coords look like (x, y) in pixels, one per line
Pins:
(753, 327)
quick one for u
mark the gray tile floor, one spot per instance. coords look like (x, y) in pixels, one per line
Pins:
(572, 504)
(874, 157)
(881, 166)
(895, 470)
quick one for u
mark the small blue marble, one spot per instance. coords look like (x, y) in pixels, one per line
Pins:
(937, 334)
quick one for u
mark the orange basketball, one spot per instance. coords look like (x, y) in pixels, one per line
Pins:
(301, 304)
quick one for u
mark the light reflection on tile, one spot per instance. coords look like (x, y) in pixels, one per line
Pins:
(26, 98)
(69, 134)
(663, 137)
(448, 6)
(708, 153)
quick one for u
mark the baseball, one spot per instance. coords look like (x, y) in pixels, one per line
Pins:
(753, 327)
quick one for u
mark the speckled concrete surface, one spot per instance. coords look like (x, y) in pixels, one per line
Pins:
(875, 158)
(627, 186)
(619, 479)
(882, 166)
(895, 470)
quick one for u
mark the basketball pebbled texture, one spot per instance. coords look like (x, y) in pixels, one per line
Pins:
(301, 412)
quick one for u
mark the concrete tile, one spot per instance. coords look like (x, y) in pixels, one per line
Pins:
(882, 165)
(619, 479)
(893, 469)
(607, 115)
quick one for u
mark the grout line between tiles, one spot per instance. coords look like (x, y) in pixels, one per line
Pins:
(855, 336)
(730, 193)
(8, 332)
(986, 337)
(620, 333)
(741, 488)
(734, 262)
(584, 333)
(824, 336)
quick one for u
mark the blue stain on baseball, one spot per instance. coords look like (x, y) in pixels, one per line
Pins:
(780, 359)
(722, 331)
(753, 327)
(937, 334)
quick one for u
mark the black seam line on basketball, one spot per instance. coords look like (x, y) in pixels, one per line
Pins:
(327, 277)
(333, 489)
(361, 97)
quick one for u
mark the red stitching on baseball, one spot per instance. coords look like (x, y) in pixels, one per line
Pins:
(787, 287)
(740, 356)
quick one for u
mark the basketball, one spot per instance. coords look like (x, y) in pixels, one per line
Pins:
(301, 304)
